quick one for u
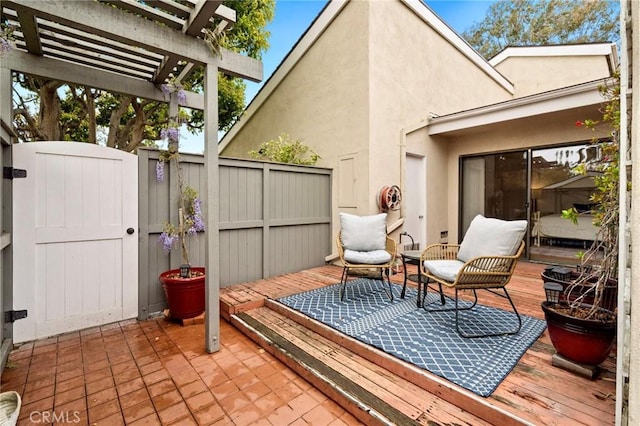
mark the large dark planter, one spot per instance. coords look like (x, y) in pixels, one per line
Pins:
(185, 296)
(579, 340)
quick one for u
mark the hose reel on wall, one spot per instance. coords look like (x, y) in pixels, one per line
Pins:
(389, 198)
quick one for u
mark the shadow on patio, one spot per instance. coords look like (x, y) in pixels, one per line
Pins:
(157, 372)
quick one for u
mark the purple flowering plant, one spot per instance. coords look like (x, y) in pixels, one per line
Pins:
(190, 220)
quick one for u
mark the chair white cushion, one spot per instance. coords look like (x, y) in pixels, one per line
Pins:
(446, 269)
(374, 257)
(491, 237)
(363, 233)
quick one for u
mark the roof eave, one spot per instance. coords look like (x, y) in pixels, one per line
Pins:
(556, 100)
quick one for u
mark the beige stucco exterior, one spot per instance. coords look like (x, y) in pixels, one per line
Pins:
(350, 95)
(363, 89)
(540, 69)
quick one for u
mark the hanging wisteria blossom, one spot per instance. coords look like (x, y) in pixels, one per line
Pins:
(167, 239)
(160, 171)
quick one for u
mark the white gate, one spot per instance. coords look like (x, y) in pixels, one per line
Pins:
(75, 245)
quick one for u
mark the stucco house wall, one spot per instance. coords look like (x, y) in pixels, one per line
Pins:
(413, 69)
(376, 68)
(324, 101)
(560, 66)
(363, 93)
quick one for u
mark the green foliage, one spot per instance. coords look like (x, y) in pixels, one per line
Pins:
(248, 36)
(600, 260)
(286, 150)
(544, 22)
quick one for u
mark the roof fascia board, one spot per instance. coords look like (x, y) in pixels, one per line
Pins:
(557, 100)
(596, 49)
(88, 76)
(302, 46)
(423, 11)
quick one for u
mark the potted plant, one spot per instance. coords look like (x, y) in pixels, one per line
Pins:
(581, 304)
(184, 287)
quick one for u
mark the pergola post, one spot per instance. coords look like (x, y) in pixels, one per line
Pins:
(211, 210)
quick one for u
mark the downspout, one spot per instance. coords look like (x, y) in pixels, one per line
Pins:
(403, 189)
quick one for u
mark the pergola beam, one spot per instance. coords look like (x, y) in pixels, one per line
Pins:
(171, 6)
(142, 9)
(115, 24)
(200, 17)
(166, 68)
(123, 27)
(29, 28)
(92, 77)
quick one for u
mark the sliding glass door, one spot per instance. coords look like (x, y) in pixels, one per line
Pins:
(494, 185)
(535, 185)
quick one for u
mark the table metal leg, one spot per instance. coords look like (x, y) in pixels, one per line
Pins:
(419, 299)
(404, 286)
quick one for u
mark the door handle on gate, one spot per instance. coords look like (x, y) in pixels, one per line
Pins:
(130, 231)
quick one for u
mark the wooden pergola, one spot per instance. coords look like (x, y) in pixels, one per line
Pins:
(129, 47)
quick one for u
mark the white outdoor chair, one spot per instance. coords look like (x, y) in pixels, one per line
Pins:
(363, 244)
(485, 260)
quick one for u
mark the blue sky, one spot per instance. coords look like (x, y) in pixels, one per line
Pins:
(293, 17)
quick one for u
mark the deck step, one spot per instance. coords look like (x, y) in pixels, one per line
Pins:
(374, 387)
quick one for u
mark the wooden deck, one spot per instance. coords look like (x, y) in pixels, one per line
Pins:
(535, 392)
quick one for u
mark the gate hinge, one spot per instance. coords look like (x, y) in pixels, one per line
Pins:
(12, 173)
(12, 316)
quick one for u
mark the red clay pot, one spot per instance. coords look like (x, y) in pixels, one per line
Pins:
(579, 340)
(185, 296)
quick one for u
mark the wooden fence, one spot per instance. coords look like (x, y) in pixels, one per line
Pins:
(273, 219)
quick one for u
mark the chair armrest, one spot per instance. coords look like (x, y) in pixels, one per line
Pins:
(486, 264)
(479, 272)
(440, 252)
(488, 270)
(340, 247)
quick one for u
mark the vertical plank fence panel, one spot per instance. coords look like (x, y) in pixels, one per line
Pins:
(274, 219)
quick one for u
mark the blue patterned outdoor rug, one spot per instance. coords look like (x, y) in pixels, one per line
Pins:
(426, 339)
